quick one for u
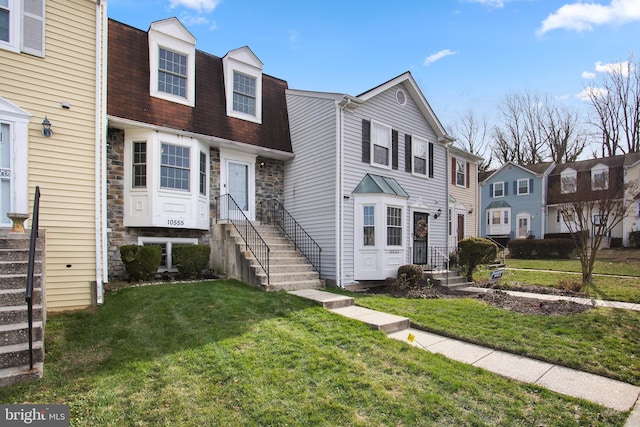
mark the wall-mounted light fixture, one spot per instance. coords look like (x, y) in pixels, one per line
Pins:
(470, 211)
(46, 127)
(437, 214)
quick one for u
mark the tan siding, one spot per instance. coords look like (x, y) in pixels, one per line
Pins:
(63, 165)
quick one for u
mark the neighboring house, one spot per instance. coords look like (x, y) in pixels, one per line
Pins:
(53, 66)
(464, 197)
(513, 201)
(587, 180)
(186, 126)
(631, 174)
(369, 179)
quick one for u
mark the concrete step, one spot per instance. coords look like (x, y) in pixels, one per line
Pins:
(19, 267)
(275, 278)
(295, 286)
(325, 299)
(16, 297)
(19, 241)
(18, 333)
(18, 314)
(17, 374)
(18, 281)
(18, 354)
(293, 259)
(388, 323)
(17, 254)
(290, 268)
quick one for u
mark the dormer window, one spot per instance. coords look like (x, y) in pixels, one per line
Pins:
(243, 84)
(568, 179)
(599, 177)
(172, 62)
(244, 94)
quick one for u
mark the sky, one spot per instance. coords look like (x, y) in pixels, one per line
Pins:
(466, 55)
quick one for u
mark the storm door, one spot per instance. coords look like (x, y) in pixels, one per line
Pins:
(420, 237)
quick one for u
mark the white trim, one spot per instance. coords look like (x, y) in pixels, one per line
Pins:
(248, 160)
(520, 216)
(518, 193)
(417, 141)
(464, 169)
(242, 61)
(389, 145)
(15, 27)
(494, 189)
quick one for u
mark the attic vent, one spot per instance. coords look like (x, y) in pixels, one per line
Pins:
(401, 97)
(509, 168)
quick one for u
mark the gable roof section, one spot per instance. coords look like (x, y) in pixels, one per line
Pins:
(538, 170)
(377, 184)
(128, 96)
(407, 80)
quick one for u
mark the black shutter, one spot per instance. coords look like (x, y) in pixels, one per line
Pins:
(394, 149)
(530, 185)
(407, 153)
(515, 187)
(431, 160)
(366, 141)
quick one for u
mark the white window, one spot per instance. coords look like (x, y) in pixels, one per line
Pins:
(139, 171)
(568, 180)
(172, 62)
(498, 221)
(175, 167)
(599, 219)
(599, 177)
(369, 225)
(166, 245)
(498, 189)
(394, 226)
(381, 145)
(203, 174)
(420, 156)
(461, 173)
(523, 186)
(244, 94)
(243, 84)
(22, 26)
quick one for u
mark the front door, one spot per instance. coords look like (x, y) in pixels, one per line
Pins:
(460, 227)
(420, 237)
(238, 184)
(5, 173)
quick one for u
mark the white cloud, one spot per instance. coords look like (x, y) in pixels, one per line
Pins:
(491, 3)
(205, 6)
(584, 16)
(622, 68)
(588, 75)
(437, 56)
(597, 92)
(193, 20)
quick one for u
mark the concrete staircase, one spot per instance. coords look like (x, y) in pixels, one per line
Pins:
(448, 279)
(288, 268)
(14, 329)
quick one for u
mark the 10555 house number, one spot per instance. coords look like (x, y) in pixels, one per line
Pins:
(175, 222)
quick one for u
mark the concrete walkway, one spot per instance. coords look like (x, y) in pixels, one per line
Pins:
(594, 388)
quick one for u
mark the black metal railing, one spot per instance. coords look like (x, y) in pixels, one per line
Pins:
(30, 271)
(438, 258)
(229, 210)
(273, 212)
(501, 249)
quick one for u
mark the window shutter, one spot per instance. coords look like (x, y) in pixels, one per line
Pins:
(454, 171)
(490, 190)
(515, 187)
(530, 185)
(407, 153)
(468, 175)
(33, 27)
(506, 188)
(431, 160)
(366, 141)
(394, 149)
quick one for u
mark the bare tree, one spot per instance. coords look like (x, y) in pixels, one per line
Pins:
(471, 135)
(590, 220)
(534, 128)
(615, 101)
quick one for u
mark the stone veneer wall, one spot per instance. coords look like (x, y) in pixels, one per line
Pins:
(269, 185)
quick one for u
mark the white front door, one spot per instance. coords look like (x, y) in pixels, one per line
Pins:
(5, 173)
(237, 179)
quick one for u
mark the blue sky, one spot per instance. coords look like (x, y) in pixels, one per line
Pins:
(464, 54)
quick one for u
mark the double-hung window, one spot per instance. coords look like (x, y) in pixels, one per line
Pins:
(140, 164)
(381, 144)
(174, 167)
(203, 174)
(172, 73)
(599, 178)
(461, 173)
(498, 189)
(244, 94)
(567, 183)
(419, 156)
(523, 187)
(394, 226)
(5, 17)
(22, 26)
(369, 225)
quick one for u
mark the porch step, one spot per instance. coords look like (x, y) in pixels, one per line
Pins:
(21, 373)
(18, 354)
(387, 323)
(296, 285)
(325, 299)
(449, 279)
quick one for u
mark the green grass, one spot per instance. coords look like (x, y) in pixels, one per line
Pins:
(602, 341)
(221, 353)
(606, 286)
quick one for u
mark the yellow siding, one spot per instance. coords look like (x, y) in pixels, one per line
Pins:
(63, 165)
(467, 197)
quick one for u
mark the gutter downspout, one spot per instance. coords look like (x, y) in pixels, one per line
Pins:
(339, 196)
(100, 151)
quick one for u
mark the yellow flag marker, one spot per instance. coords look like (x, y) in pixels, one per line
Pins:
(411, 337)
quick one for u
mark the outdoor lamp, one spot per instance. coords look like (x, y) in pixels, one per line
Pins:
(46, 127)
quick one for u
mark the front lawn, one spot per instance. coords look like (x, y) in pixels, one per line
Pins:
(221, 353)
(602, 341)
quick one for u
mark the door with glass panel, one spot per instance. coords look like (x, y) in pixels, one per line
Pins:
(238, 185)
(420, 237)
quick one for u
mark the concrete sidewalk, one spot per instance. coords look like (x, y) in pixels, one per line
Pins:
(594, 388)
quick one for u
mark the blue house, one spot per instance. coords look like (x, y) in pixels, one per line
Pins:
(513, 201)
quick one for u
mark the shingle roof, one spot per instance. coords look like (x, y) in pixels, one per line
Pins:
(586, 165)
